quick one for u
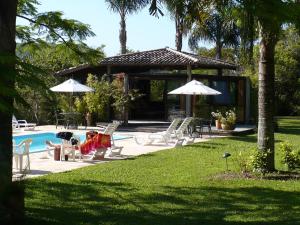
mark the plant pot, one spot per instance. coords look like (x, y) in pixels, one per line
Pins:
(226, 126)
(218, 124)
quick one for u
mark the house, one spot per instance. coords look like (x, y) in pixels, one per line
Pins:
(156, 72)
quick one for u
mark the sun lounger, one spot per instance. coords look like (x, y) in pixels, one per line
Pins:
(96, 147)
(160, 137)
(182, 129)
(17, 124)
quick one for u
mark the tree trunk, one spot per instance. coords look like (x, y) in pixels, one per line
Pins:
(219, 55)
(11, 193)
(265, 139)
(122, 35)
(218, 50)
(179, 33)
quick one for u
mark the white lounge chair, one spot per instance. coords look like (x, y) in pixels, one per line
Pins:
(109, 130)
(17, 124)
(19, 151)
(182, 129)
(164, 137)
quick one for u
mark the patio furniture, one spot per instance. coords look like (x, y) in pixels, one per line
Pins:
(60, 120)
(109, 130)
(163, 137)
(71, 147)
(70, 119)
(20, 151)
(53, 147)
(17, 124)
(95, 147)
(198, 125)
(182, 129)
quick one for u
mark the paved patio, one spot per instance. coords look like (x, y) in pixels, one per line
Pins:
(41, 163)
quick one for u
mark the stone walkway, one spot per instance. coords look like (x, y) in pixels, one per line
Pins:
(41, 163)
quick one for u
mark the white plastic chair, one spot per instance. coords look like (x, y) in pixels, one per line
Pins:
(68, 149)
(164, 136)
(19, 152)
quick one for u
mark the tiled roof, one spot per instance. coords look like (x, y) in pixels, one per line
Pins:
(153, 59)
(167, 57)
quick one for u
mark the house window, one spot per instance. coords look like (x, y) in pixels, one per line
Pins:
(228, 90)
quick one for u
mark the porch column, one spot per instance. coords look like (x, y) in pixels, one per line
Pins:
(126, 89)
(188, 97)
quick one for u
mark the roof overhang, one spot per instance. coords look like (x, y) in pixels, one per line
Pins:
(160, 59)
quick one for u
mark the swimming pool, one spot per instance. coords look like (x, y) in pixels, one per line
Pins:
(38, 140)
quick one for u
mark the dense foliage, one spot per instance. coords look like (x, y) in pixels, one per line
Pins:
(40, 103)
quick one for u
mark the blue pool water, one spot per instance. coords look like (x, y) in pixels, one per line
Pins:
(38, 140)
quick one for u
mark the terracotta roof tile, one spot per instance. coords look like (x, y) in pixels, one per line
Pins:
(159, 58)
(165, 56)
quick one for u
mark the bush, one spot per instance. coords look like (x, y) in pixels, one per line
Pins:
(258, 161)
(291, 158)
(243, 162)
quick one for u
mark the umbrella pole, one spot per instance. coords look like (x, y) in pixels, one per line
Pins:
(194, 105)
(70, 102)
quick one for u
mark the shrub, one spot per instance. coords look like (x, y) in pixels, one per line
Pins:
(243, 162)
(258, 161)
(291, 158)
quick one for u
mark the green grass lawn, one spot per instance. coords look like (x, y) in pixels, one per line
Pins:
(177, 186)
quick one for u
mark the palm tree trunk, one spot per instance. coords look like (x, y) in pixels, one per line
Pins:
(11, 193)
(179, 33)
(219, 54)
(122, 35)
(265, 139)
(218, 50)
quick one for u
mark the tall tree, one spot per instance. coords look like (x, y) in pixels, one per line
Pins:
(214, 24)
(178, 11)
(271, 16)
(10, 208)
(52, 27)
(125, 7)
(247, 26)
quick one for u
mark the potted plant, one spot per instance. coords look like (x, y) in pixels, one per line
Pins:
(228, 122)
(218, 117)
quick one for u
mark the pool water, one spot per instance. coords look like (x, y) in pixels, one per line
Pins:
(38, 140)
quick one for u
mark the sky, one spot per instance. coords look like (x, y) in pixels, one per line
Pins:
(144, 32)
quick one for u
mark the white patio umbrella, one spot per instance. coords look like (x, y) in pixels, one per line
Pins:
(194, 87)
(71, 86)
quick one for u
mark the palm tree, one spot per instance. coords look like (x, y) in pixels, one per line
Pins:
(269, 16)
(178, 11)
(125, 7)
(216, 26)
